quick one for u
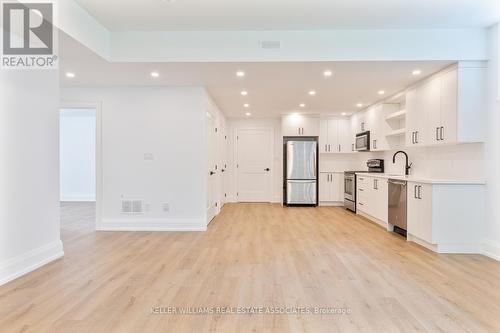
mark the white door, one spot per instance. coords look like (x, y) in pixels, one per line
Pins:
(212, 168)
(254, 161)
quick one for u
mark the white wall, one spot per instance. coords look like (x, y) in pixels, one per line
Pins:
(239, 123)
(492, 242)
(77, 133)
(29, 171)
(140, 123)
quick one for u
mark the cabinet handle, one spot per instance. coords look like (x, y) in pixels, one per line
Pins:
(326, 148)
(415, 191)
(442, 133)
(360, 190)
(413, 137)
(353, 147)
(340, 148)
(329, 148)
(437, 133)
(361, 204)
(416, 137)
(420, 192)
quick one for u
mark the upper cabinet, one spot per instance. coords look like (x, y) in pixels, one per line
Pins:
(448, 108)
(378, 126)
(335, 135)
(298, 125)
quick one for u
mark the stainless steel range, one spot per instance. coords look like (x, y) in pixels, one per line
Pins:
(374, 166)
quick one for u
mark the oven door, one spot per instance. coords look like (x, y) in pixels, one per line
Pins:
(363, 141)
(350, 187)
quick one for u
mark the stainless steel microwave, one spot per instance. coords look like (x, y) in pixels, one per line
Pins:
(363, 141)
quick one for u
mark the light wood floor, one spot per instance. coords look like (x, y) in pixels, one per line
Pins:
(253, 255)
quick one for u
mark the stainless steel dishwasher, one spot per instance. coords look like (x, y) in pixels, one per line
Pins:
(397, 205)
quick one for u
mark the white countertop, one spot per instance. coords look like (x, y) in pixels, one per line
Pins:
(424, 180)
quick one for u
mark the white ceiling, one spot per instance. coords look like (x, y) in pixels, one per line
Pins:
(273, 88)
(128, 15)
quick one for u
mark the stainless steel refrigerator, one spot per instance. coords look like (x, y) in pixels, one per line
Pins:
(301, 171)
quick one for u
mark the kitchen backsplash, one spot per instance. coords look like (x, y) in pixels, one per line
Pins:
(465, 161)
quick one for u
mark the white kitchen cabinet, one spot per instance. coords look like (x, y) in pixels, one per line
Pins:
(446, 218)
(419, 211)
(335, 135)
(299, 125)
(372, 197)
(379, 128)
(450, 107)
(331, 187)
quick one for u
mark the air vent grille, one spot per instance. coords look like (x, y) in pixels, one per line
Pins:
(132, 207)
(270, 44)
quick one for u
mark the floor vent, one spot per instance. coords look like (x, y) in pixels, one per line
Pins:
(270, 44)
(132, 207)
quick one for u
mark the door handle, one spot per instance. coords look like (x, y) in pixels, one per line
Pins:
(267, 169)
(442, 133)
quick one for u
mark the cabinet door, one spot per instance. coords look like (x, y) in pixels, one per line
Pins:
(333, 132)
(291, 125)
(449, 100)
(325, 187)
(412, 115)
(344, 136)
(339, 184)
(382, 209)
(310, 126)
(429, 96)
(335, 188)
(323, 136)
(419, 212)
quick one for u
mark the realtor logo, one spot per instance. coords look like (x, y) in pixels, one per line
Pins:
(28, 37)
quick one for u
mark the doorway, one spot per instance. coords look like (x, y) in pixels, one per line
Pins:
(79, 163)
(254, 162)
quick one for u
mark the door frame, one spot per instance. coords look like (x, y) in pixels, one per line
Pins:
(235, 160)
(98, 153)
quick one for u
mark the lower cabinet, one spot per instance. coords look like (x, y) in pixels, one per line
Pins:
(446, 218)
(331, 187)
(372, 197)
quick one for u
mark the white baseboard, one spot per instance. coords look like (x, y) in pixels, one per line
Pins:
(28, 262)
(331, 204)
(491, 249)
(77, 198)
(153, 225)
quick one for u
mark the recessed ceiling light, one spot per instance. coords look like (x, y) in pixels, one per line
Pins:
(417, 72)
(359, 105)
(327, 73)
(381, 92)
(302, 105)
(344, 113)
(155, 74)
(312, 92)
(248, 114)
(246, 105)
(70, 75)
(240, 74)
(244, 93)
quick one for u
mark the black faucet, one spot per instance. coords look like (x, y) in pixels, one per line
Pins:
(408, 166)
